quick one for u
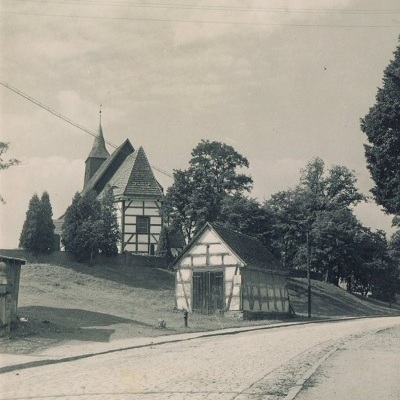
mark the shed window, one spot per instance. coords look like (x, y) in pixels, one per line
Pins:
(142, 225)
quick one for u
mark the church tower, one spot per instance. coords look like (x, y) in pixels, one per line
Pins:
(97, 155)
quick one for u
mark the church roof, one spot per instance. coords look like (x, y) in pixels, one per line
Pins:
(109, 167)
(135, 178)
(99, 146)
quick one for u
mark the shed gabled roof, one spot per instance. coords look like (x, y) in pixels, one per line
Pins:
(247, 248)
(99, 146)
(12, 259)
(135, 178)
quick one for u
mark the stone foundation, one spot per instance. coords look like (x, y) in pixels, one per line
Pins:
(236, 315)
(251, 315)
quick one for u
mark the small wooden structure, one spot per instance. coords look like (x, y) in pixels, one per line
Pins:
(225, 272)
(10, 271)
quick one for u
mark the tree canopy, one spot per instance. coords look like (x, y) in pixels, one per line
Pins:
(111, 235)
(164, 245)
(316, 216)
(382, 128)
(81, 232)
(90, 226)
(4, 164)
(198, 193)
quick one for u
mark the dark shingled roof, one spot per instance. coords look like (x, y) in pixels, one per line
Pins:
(248, 248)
(135, 178)
(109, 166)
(128, 172)
(99, 146)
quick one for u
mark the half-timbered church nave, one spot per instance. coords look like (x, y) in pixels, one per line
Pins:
(137, 193)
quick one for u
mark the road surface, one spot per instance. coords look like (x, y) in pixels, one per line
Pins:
(303, 362)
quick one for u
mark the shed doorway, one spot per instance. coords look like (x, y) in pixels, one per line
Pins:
(208, 290)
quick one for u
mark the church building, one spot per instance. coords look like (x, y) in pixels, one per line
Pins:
(137, 193)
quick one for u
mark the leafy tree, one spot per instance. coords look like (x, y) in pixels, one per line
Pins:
(334, 186)
(217, 163)
(198, 192)
(164, 245)
(248, 216)
(289, 219)
(111, 235)
(383, 269)
(6, 164)
(395, 245)
(303, 214)
(9, 163)
(394, 248)
(28, 237)
(382, 128)
(333, 235)
(91, 226)
(82, 229)
(180, 204)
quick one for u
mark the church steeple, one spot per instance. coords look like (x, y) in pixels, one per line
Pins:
(97, 155)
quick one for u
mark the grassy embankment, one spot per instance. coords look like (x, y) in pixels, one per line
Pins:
(105, 302)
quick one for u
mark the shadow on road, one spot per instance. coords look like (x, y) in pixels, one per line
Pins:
(40, 326)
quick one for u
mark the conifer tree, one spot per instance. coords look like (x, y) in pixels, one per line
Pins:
(28, 235)
(109, 225)
(45, 230)
(37, 233)
(164, 245)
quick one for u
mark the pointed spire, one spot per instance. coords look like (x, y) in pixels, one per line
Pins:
(97, 155)
(99, 146)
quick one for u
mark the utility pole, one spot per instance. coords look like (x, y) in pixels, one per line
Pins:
(308, 275)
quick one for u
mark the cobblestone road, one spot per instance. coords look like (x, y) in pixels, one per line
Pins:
(253, 365)
(366, 369)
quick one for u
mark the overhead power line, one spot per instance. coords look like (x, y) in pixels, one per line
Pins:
(68, 120)
(195, 21)
(208, 7)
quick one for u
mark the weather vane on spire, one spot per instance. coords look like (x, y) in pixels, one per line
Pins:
(101, 105)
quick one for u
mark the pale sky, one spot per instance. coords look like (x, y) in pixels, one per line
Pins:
(281, 81)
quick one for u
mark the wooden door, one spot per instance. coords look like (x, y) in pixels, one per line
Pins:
(208, 292)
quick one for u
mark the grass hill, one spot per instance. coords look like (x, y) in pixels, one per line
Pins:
(105, 302)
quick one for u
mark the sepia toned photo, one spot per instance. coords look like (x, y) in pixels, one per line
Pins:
(200, 199)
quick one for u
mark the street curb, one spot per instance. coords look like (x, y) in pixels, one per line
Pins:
(295, 390)
(229, 331)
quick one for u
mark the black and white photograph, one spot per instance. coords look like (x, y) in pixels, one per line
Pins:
(200, 199)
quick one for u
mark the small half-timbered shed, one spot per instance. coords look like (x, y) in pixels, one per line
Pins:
(222, 271)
